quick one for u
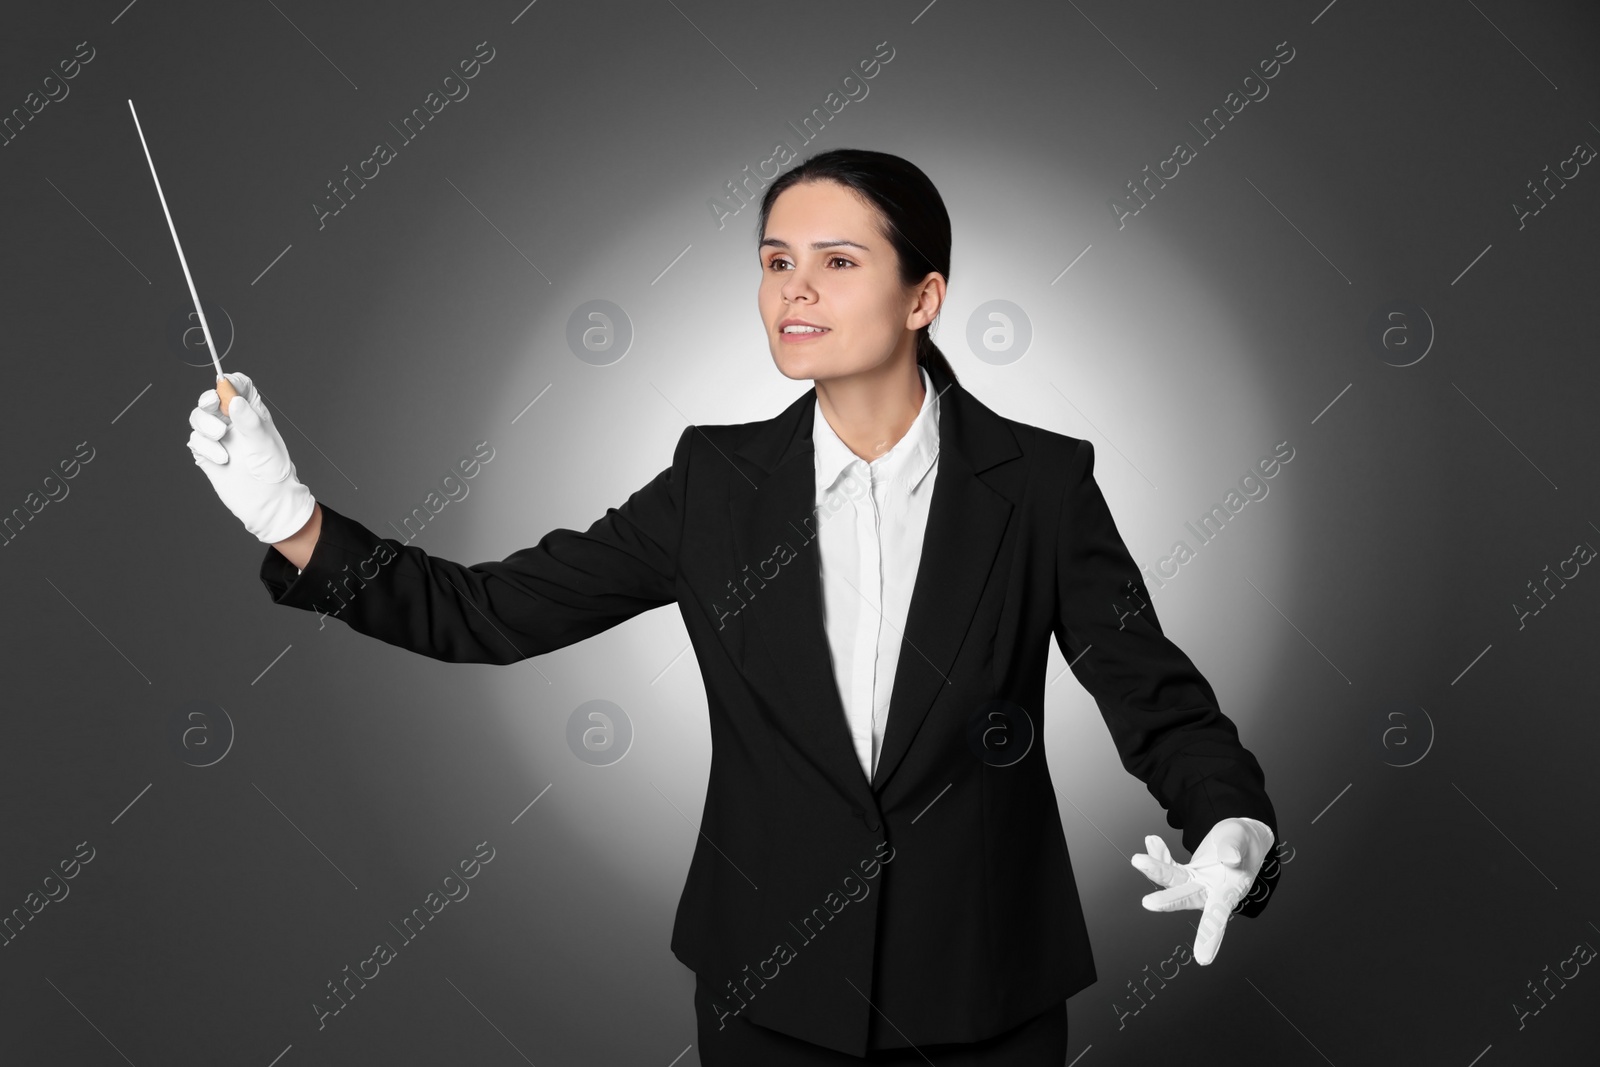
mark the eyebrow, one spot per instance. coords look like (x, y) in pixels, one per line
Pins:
(815, 245)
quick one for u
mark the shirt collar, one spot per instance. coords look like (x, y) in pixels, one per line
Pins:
(917, 450)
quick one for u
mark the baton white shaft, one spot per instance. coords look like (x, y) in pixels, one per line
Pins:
(225, 390)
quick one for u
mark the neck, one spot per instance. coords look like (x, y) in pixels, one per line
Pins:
(872, 410)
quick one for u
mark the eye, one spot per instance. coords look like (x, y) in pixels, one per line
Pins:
(776, 262)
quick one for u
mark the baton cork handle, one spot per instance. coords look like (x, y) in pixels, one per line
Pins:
(225, 393)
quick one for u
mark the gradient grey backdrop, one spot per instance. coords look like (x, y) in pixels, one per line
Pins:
(1359, 616)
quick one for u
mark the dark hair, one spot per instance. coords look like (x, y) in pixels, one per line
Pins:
(918, 224)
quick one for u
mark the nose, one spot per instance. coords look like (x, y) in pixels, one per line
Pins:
(797, 286)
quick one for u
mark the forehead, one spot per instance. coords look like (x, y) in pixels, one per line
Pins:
(820, 214)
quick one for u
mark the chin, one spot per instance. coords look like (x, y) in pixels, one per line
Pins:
(800, 366)
(811, 363)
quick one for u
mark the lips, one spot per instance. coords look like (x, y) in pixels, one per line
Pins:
(782, 326)
(801, 337)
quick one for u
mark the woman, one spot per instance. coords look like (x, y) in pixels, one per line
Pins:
(870, 581)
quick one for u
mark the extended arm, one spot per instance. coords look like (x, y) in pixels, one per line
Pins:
(297, 548)
(569, 586)
(1163, 716)
(1161, 711)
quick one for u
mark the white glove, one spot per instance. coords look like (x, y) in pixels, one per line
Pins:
(1216, 878)
(243, 454)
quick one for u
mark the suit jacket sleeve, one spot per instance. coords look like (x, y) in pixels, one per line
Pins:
(1161, 711)
(569, 586)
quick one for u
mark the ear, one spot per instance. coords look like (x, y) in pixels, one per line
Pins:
(930, 298)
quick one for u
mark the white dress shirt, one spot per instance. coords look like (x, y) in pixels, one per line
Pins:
(870, 522)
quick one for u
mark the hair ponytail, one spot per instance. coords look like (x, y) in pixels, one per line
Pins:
(931, 356)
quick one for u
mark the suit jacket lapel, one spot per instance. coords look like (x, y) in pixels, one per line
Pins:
(966, 521)
(774, 526)
(773, 518)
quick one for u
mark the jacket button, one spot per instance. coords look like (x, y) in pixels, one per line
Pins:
(872, 824)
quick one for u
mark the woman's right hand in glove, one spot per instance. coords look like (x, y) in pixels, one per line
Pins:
(248, 464)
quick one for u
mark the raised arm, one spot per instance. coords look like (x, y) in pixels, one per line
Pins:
(297, 548)
(569, 586)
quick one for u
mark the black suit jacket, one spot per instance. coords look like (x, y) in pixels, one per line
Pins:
(940, 893)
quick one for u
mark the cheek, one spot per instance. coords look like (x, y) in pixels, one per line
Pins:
(869, 311)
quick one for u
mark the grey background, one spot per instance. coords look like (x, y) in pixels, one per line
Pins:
(1376, 579)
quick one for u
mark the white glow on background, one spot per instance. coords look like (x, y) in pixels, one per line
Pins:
(1139, 337)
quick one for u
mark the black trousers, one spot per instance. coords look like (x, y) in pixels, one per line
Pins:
(1037, 1042)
